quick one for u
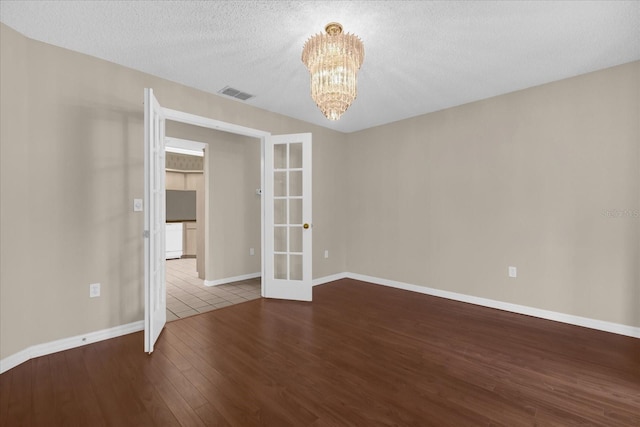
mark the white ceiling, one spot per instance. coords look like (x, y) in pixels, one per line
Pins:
(420, 56)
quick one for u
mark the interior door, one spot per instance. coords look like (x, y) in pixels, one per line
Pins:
(288, 226)
(155, 314)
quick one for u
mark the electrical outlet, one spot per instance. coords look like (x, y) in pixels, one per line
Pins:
(326, 253)
(252, 251)
(513, 272)
(94, 290)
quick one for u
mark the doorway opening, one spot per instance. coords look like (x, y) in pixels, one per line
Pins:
(230, 185)
(285, 212)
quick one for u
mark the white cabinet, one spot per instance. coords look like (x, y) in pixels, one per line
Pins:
(173, 239)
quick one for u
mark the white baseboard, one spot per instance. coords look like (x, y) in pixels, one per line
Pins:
(231, 279)
(327, 279)
(68, 343)
(601, 325)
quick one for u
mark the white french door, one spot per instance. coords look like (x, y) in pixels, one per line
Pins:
(155, 314)
(288, 226)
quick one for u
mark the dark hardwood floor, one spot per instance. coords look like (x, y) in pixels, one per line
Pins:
(360, 354)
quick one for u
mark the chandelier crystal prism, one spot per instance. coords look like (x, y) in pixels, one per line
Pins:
(333, 60)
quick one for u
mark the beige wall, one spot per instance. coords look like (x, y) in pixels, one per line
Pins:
(14, 188)
(76, 124)
(449, 200)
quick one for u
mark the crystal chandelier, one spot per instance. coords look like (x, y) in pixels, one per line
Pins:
(333, 60)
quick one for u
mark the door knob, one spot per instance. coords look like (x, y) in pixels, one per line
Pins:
(305, 226)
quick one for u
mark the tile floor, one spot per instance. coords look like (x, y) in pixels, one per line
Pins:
(187, 295)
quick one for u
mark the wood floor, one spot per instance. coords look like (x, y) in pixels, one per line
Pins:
(359, 355)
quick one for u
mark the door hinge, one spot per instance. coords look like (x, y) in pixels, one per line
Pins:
(146, 234)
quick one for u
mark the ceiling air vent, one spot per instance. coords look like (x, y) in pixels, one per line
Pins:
(235, 93)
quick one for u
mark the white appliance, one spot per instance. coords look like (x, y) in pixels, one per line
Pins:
(173, 239)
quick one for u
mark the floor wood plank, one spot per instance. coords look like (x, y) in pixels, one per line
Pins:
(43, 391)
(359, 355)
(5, 392)
(85, 397)
(20, 399)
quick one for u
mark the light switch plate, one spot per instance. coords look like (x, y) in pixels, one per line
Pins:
(94, 290)
(513, 272)
(137, 205)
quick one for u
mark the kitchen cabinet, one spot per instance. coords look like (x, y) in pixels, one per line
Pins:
(175, 180)
(190, 232)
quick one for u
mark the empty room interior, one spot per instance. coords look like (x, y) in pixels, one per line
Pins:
(467, 250)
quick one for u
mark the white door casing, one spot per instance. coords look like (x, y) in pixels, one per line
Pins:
(288, 223)
(154, 221)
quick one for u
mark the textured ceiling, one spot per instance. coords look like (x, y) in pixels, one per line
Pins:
(420, 56)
